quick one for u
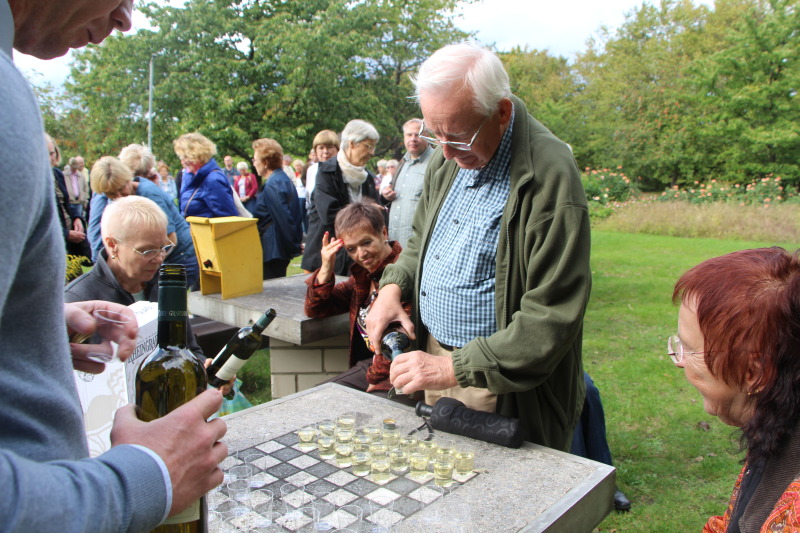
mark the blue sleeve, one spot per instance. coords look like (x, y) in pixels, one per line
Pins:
(153, 192)
(122, 490)
(96, 207)
(219, 196)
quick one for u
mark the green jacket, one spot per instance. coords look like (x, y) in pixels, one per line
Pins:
(543, 280)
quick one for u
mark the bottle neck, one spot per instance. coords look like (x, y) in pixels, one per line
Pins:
(263, 321)
(172, 316)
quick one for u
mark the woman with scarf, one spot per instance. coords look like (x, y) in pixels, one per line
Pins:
(340, 181)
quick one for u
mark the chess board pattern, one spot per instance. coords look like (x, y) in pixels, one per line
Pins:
(284, 461)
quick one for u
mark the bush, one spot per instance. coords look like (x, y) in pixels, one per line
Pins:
(604, 186)
(766, 191)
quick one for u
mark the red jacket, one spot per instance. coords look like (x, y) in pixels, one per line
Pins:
(333, 299)
(250, 184)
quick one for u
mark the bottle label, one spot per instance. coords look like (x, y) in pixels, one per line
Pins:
(172, 304)
(190, 514)
(230, 368)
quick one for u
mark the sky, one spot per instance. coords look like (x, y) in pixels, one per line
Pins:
(562, 27)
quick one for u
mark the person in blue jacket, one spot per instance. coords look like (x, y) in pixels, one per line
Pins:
(205, 191)
(280, 221)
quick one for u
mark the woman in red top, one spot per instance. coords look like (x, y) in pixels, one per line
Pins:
(246, 186)
(738, 343)
(361, 230)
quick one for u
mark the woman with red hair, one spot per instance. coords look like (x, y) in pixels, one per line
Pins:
(738, 343)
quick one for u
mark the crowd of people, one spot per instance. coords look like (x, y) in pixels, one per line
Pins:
(476, 242)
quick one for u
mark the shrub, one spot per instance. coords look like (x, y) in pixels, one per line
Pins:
(605, 186)
(764, 191)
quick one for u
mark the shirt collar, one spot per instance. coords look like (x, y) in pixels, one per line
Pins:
(422, 157)
(6, 28)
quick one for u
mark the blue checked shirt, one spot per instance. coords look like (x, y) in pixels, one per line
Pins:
(456, 298)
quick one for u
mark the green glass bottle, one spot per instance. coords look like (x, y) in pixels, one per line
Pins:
(237, 351)
(171, 376)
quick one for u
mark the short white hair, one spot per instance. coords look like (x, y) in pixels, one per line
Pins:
(357, 131)
(126, 217)
(242, 165)
(465, 66)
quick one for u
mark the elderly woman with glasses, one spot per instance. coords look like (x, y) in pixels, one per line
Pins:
(135, 244)
(112, 179)
(738, 343)
(340, 181)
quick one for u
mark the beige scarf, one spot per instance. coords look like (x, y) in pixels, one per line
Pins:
(353, 176)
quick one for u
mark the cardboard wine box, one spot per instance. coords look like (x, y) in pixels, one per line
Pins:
(102, 394)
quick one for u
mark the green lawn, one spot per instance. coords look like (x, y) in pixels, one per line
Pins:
(675, 462)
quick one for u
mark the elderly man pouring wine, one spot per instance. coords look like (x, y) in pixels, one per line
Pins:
(497, 268)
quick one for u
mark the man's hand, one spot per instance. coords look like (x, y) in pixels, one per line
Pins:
(75, 236)
(388, 193)
(77, 225)
(188, 445)
(419, 370)
(81, 321)
(386, 309)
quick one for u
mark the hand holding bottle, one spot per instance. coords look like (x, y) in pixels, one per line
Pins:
(189, 446)
(387, 308)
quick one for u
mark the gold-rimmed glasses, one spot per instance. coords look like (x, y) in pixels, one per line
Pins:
(153, 252)
(464, 147)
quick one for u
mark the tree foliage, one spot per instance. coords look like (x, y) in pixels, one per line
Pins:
(679, 93)
(240, 70)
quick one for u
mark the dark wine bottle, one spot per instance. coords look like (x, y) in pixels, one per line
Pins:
(237, 351)
(171, 376)
(394, 341)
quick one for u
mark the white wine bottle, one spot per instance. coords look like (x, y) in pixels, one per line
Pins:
(238, 350)
(171, 376)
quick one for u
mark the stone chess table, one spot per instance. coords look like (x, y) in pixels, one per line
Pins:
(530, 489)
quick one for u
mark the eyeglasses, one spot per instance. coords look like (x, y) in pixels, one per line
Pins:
(675, 349)
(370, 147)
(152, 253)
(464, 147)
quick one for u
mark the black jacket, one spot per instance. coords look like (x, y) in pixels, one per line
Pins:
(329, 197)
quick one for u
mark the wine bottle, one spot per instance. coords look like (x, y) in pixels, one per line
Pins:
(237, 351)
(171, 376)
(394, 341)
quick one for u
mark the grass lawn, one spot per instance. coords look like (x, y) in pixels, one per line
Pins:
(675, 462)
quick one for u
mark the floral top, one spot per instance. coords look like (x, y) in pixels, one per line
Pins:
(784, 517)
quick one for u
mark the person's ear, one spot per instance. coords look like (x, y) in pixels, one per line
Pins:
(111, 245)
(753, 375)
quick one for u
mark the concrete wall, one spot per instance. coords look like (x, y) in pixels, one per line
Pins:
(296, 368)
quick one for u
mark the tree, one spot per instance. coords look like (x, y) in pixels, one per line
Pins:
(638, 101)
(237, 71)
(751, 85)
(548, 86)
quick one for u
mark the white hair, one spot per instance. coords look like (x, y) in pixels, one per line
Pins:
(242, 165)
(464, 66)
(126, 217)
(356, 131)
